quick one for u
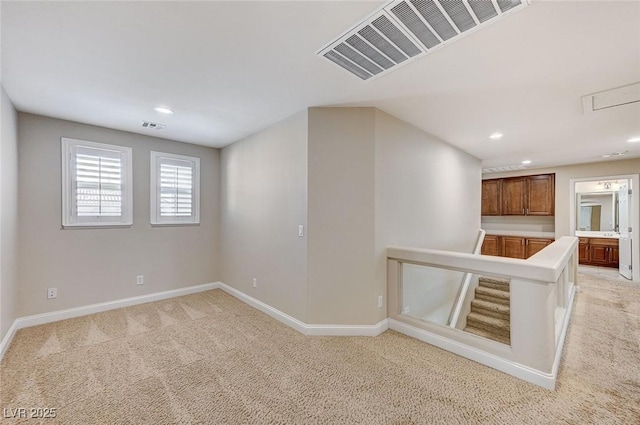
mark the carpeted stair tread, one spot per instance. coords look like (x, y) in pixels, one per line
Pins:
(491, 309)
(489, 324)
(491, 294)
(488, 335)
(495, 283)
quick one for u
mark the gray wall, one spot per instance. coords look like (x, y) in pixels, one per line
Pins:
(263, 200)
(8, 213)
(342, 216)
(362, 180)
(427, 193)
(97, 265)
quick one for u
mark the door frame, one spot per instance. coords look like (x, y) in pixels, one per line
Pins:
(635, 211)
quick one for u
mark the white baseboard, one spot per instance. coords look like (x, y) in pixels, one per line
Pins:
(8, 337)
(54, 316)
(316, 330)
(303, 328)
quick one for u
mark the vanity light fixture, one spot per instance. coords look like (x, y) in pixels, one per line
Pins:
(163, 110)
(634, 140)
(526, 162)
(496, 136)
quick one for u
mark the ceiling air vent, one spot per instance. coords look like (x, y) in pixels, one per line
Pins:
(152, 125)
(403, 30)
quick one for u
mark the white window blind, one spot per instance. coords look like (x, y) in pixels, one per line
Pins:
(96, 184)
(97, 181)
(175, 189)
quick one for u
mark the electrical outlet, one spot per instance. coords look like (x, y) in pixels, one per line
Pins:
(255, 282)
(380, 301)
(140, 280)
(406, 310)
(52, 293)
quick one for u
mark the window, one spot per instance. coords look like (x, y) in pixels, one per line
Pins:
(96, 184)
(175, 189)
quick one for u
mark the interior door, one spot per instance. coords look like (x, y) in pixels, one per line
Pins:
(624, 206)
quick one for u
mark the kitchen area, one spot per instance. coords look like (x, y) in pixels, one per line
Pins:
(518, 214)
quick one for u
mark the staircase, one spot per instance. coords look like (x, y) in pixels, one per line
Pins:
(490, 310)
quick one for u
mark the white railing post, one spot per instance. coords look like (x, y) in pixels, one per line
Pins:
(533, 306)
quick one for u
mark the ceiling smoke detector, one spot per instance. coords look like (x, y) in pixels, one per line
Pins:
(152, 125)
(404, 30)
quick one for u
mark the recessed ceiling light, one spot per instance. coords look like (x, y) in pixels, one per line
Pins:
(495, 136)
(606, 156)
(526, 161)
(163, 110)
(634, 140)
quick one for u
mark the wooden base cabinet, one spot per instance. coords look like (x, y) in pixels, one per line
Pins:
(599, 252)
(513, 246)
(491, 246)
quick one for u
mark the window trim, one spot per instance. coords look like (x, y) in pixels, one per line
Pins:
(155, 163)
(71, 220)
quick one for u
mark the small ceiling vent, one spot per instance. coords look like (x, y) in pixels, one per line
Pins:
(404, 30)
(152, 125)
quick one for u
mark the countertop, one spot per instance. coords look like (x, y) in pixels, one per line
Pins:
(608, 235)
(524, 234)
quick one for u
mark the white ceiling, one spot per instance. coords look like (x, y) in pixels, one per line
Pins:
(229, 69)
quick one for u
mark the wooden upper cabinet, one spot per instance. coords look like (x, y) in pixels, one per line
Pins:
(527, 195)
(513, 196)
(492, 197)
(540, 195)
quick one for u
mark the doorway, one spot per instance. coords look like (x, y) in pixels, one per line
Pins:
(607, 208)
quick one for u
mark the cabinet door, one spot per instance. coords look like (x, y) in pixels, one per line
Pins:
(583, 251)
(513, 191)
(614, 259)
(536, 245)
(513, 247)
(540, 195)
(491, 197)
(491, 245)
(599, 254)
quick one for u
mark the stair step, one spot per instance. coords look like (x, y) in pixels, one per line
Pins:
(495, 283)
(489, 324)
(494, 295)
(488, 335)
(491, 309)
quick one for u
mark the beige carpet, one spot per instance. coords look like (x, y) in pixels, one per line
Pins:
(210, 359)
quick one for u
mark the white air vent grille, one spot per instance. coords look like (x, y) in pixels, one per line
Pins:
(407, 29)
(152, 125)
(503, 168)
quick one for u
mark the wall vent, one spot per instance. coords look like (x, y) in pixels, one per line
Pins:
(503, 168)
(404, 30)
(152, 125)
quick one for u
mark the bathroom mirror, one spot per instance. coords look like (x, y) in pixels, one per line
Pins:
(597, 212)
